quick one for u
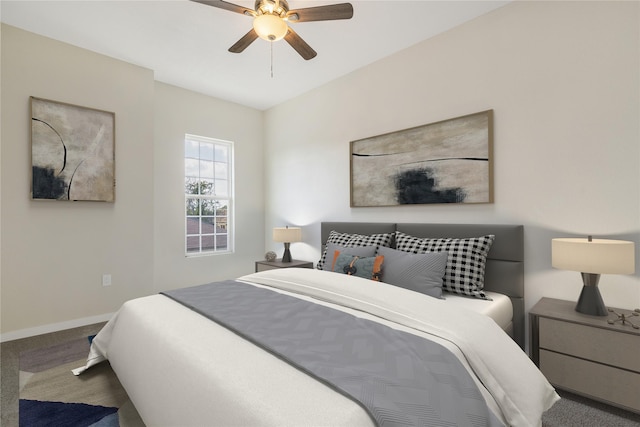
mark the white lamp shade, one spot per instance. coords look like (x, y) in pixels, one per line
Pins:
(287, 234)
(598, 256)
(270, 27)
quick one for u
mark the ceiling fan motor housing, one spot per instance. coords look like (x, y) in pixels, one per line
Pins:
(272, 7)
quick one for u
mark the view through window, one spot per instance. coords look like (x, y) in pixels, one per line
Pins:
(208, 189)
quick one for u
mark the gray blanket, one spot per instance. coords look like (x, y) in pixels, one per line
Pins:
(400, 379)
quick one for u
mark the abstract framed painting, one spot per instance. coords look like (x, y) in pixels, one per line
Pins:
(444, 162)
(72, 152)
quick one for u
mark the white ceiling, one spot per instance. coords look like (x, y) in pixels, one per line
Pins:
(185, 43)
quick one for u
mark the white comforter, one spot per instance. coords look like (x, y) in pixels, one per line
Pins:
(181, 369)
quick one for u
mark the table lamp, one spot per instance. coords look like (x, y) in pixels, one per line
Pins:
(592, 257)
(287, 235)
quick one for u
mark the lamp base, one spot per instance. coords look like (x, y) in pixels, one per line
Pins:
(590, 301)
(286, 257)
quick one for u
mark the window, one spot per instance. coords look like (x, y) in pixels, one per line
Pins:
(208, 194)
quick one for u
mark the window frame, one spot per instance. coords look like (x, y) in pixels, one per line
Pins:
(229, 198)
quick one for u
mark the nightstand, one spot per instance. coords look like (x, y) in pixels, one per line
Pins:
(270, 265)
(584, 354)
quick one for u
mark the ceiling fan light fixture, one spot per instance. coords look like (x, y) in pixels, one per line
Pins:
(271, 18)
(270, 27)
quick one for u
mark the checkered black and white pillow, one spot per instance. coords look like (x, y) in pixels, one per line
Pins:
(351, 240)
(465, 266)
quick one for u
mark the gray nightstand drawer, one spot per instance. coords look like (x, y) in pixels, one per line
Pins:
(585, 354)
(265, 267)
(270, 265)
(600, 345)
(601, 382)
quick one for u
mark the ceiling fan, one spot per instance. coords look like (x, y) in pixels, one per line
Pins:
(271, 17)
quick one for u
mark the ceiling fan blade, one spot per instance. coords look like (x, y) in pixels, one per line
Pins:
(244, 42)
(322, 13)
(220, 4)
(299, 45)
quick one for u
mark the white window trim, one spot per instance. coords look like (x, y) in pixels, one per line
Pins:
(231, 198)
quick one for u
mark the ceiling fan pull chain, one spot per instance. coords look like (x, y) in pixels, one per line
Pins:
(271, 47)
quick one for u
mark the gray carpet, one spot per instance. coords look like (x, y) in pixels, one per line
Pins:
(577, 411)
(47, 352)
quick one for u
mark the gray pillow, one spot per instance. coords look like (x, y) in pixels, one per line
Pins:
(466, 264)
(359, 251)
(417, 272)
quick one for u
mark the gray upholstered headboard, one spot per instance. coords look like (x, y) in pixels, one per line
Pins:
(505, 262)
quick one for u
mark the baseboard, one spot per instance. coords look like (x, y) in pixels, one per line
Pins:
(54, 327)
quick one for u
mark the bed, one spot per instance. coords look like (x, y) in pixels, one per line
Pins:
(504, 271)
(182, 369)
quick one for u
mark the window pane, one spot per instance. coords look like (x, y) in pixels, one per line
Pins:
(206, 225)
(206, 187)
(221, 224)
(221, 242)
(222, 188)
(190, 186)
(193, 243)
(193, 207)
(222, 208)
(221, 170)
(222, 154)
(192, 168)
(206, 169)
(191, 149)
(208, 243)
(209, 207)
(206, 151)
(193, 225)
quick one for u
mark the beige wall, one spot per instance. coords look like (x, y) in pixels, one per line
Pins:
(563, 81)
(53, 254)
(178, 111)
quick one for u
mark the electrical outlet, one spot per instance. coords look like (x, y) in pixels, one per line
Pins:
(106, 280)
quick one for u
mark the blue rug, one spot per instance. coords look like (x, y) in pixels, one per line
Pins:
(44, 414)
